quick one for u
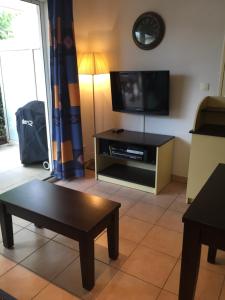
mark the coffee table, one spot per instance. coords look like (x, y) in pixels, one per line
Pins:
(75, 214)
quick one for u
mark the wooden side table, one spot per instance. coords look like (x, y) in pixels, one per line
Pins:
(204, 223)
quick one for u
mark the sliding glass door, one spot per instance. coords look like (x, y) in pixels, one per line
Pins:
(24, 67)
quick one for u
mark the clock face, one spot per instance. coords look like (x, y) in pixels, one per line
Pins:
(148, 30)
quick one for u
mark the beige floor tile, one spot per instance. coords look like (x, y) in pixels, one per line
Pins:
(52, 292)
(20, 222)
(130, 193)
(126, 203)
(164, 295)
(101, 254)
(10, 187)
(208, 286)
(172, 284)
(61, 182)
(5, 264)
(126, 287)
(59, 238)
(93, 191)
(25, 242)
(222, 295)
(16, 228)
(133, 229)
(21, 283)
(219, 266)
(162, 200)
(42, 231)
(146, 212)
(149, 265)
(50, 260)
(12, 172)
(180, 204)
(126, 247)
(80, 183)
(182, 198)
(70, 279)
(172, 220)
(9, 157)
(164, 240)
(175, 188)
(105, 187)
(32, 170)
(10, 179)
(66, 241)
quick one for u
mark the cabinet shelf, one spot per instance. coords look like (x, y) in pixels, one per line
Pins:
(130, 174)
(125, 158)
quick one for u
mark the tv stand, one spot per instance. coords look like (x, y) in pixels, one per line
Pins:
(143, 160)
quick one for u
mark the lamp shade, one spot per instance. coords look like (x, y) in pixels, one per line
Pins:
(92, 64)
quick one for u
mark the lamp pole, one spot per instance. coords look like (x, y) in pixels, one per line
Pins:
(93, 99)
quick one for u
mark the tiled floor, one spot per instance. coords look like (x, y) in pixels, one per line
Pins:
(45, 265)
(12, 172)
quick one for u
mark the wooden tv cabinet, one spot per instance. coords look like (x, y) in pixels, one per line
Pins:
(150, 174)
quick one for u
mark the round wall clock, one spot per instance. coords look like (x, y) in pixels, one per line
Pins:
(148, 30)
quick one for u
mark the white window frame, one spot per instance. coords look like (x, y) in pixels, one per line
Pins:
(43, 7)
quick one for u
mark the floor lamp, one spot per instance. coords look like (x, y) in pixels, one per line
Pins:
(92, 64)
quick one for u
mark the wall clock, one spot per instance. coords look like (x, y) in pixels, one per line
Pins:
(148, 30)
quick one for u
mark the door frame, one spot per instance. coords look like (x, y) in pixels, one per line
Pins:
(43, 8)
(3, 102)
(222, 71)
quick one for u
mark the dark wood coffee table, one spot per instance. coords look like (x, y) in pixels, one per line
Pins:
(204, 223)
(77, 215)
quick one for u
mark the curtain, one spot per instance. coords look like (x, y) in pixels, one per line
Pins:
(66, 120)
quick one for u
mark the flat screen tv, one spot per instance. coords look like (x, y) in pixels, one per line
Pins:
(145, 92)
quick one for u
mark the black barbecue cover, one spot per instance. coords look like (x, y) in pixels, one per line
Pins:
(31, 128)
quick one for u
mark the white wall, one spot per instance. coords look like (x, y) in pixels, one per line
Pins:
(191, 50)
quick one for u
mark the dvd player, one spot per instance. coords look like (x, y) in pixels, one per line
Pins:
(131, 152)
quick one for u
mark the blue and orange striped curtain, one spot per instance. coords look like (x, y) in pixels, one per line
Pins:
(66, 120)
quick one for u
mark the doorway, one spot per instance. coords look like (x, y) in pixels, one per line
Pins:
(22, 80)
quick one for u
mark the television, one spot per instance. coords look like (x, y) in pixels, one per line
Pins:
(145, 92)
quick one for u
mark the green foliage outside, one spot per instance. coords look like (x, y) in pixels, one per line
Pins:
(5, 25)
(5, 33)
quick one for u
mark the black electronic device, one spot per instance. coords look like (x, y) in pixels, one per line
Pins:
(128, 151)
(120, 130)
(145, 92)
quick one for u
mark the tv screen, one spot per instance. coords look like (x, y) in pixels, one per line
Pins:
(140, 92)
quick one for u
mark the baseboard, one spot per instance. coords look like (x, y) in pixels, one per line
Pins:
(180, 179)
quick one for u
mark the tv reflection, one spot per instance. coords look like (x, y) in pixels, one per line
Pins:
(131, 88)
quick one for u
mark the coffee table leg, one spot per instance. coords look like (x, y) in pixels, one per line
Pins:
(113, 235)
(86, 246)
(190, 262)
(7, 227)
